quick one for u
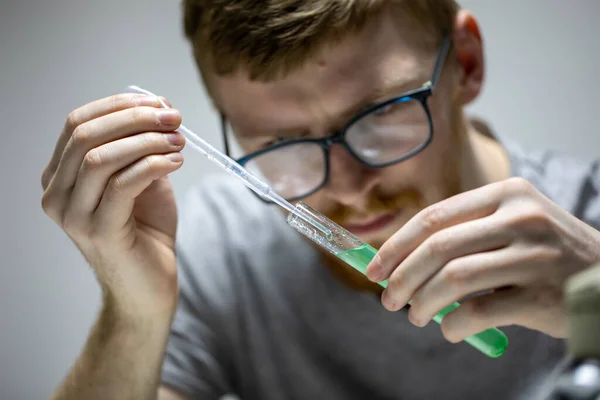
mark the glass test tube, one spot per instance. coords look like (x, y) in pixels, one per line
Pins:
(356, 253)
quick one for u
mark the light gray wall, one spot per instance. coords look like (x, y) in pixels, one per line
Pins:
(56, 55)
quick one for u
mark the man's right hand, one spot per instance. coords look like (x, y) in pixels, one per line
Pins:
(106, 185)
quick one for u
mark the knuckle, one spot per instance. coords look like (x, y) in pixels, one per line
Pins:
(73, 226)
(518, 185)
(47, 202)
(438, 244)
(395, 245)
(135, 114)
(534, 256)
(151, 140)
(432, 217)
(117, 184)
(95, 233)
(549, 255)
(538, 219)
(68, 225)
(80, 135)
(514, 222)
(72, 121)
(455, 274)
(50, 206)
(145, 116)
(153, 164)
(93, 160)
(148, 163)
(124, 100)
(532, 219)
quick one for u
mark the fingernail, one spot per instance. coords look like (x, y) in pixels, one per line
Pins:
(168, 116)
(414, 320)
(174, 157)
(388, 301)
(176, 139)
(375, 269)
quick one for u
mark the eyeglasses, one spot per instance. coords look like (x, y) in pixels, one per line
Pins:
(382, 135)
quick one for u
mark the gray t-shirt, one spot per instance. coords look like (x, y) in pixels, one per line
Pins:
(261, 317)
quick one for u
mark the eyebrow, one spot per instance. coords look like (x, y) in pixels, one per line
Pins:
(395, 88)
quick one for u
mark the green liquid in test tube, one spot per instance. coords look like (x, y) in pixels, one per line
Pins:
(356, 253)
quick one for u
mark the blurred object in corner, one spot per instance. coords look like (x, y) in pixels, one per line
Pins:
(579, 379)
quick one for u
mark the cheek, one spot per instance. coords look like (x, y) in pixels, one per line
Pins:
(320, 202)
(434, 172)
(427, 168)
(441, 159)
(244, 146)
(441, 156)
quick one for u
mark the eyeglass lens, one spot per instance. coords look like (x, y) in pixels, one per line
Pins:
(380, 137)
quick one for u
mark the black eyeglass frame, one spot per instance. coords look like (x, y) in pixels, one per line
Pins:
(421, 95)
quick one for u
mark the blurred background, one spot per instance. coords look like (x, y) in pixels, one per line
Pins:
(542, 89)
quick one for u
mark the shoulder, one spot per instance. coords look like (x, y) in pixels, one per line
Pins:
(220, 212)
(228, 238)
(572, 183)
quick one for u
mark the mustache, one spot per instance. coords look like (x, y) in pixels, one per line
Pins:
(378, 203)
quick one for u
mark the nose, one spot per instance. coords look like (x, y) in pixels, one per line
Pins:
(349, 181)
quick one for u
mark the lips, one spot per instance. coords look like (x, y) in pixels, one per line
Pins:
(369, 226)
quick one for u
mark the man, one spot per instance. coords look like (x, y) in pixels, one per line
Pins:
(356, 108)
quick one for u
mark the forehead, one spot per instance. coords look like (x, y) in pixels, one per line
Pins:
(328, 84)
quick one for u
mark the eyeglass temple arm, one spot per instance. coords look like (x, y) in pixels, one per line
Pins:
(439, 62)
(224, 133)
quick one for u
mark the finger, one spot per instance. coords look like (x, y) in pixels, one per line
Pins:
(105, 129)
(88, 112)
(476, 273)
(116, 207)
(501, 308)
(466, 206)
(103, 162)
(425, 261)
(526, 307)
(95, 133)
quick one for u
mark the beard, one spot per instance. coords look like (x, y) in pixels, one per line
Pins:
(378, 203)
(410, 199)
(448, 181)
(405, 201)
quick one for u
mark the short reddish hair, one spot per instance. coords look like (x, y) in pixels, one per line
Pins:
(270, 38)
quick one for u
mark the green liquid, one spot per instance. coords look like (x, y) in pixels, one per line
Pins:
(358, 258)
(491, 342)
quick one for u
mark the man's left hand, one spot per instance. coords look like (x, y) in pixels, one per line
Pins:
(505, 240)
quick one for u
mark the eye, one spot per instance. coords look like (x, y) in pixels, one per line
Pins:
(281, 139)
(383, 110)
(273, 142)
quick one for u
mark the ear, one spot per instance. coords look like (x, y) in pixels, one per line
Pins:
(468, 49)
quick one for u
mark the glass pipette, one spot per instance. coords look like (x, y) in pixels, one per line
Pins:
(235, 169)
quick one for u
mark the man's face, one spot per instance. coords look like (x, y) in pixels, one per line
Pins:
(318, 99)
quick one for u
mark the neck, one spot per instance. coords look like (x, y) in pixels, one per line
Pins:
(484, 160)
